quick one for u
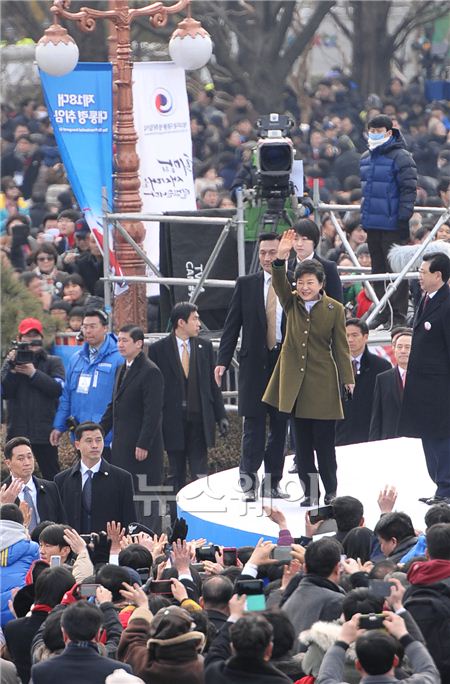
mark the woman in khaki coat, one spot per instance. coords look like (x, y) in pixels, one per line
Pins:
(313, 364)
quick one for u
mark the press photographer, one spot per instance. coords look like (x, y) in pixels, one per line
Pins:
(32, 381)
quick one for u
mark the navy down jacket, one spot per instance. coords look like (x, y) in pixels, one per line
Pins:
(389, 183)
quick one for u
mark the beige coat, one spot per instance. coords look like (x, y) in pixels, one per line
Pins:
(314, 360)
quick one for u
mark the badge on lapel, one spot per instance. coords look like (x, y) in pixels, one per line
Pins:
(330, 306)
(427, 325)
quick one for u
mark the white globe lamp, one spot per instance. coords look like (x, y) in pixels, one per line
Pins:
(56, 52)
(190, 46)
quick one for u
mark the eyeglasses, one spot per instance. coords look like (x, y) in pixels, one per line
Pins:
(46, 258)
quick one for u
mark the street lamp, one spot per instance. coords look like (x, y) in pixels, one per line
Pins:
(57, 54)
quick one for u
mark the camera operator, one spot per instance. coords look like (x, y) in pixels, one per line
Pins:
(376, 653)
(32, 381)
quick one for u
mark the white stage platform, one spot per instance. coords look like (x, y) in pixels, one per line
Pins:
(213, 506)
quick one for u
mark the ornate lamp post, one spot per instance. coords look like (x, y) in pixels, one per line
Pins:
(57, 54)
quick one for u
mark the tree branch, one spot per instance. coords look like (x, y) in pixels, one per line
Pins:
(301, 41)
(340, 24)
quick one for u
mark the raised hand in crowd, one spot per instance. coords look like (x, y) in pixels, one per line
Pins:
(311, 529)
(134, 594)
(286, 244)
(103, 595)
(9, 493)
(276, 516)
(179, 591)
(75, 541)
(395, 598)
(290, 570)
(181, 556)
(261, 553)
(115, 533)
(387, 498)
(236, 604)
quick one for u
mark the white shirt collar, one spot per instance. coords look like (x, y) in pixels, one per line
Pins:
(402, 372)
(431, 294)
(357, 358)
(307, 258)
(181, 342)
(94, 469)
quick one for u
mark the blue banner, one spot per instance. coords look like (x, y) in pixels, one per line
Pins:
(79, 105)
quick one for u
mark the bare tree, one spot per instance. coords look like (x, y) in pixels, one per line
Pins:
(375, 38)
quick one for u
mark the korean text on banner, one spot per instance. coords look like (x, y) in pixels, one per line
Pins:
(161, 119)
(80, 109)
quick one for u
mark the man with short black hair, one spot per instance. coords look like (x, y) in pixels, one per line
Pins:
(242, 650)
(41, 496)
(256, 315)
(388, 392)
(376, 652)
(366, 366)
(32, 388)
(389, 183)
(318, 595)
(80, 661)
(50, 588)
(135, 416)
(90, 376)
(94, 492)
(396, 535)
(348, 513)
(425, 409)
(193, 402)
(305, 246)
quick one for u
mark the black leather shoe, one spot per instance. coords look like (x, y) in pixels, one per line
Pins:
(251, 496)
(274, 493)
(309, 502)
(432, 500)
(329, 498)
(293, 470)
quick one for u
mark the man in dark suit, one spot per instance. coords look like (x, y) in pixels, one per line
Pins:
(305, 246)
(41, 496)
(94, 492)
(255, 308)
(425, 409)
(388, 393)
(193, 403)
(366, 366)
(135, 416)
(80, 661)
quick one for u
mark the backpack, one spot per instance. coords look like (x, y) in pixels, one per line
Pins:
(430, 608)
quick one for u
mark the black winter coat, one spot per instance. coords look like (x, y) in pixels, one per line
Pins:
(163, 353)
(426, 400)
(135, 415)
(32, 402)
(358, 411)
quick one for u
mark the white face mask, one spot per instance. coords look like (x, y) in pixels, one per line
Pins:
(376, 139)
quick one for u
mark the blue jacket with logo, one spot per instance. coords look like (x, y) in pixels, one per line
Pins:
(17, 554)
(89, 386)
(389, 183)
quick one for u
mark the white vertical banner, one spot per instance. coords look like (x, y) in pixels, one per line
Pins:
(164, 146)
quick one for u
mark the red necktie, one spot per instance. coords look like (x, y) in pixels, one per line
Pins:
(425, 302)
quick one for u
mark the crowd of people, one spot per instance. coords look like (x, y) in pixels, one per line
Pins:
(91, 587)
(356, 605)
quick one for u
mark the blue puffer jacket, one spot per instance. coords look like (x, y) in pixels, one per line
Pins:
(389, 183)
(17, 554)
(86, 398)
